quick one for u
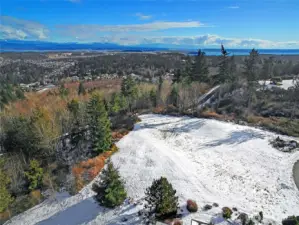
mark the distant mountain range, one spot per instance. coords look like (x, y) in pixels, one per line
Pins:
(22, 46)
(18, 45)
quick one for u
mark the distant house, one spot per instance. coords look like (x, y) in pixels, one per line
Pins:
(65, 54)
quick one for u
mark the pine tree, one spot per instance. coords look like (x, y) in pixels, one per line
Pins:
(74, 108)
(129, 90)
(232, 69)
(81, 89)
(110, 190)
(173, 97)
(99, 124)
(153, 97)
(161, 199)
(177, 77)
(200, 69)
(250, 66)
(251, 74)
(267, 69)
(115, 104)
(5, 197)
(223, 74)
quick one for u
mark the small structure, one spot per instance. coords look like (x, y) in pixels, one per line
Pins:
(197, 222)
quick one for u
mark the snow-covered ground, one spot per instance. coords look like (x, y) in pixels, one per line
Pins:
(205, 160)
(285, 84)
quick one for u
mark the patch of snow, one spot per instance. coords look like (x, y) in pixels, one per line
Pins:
(286, 84)
(205, 160)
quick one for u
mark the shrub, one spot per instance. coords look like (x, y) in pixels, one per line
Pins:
(207, 207)
(226, 212)
(161, 199)
(34, 175)
(215, 204)
(250, 222)
(178, 222)
(243, 217)
(261, 216)
(87, 170)
(159, 110)
(5, 197)
(192, 206)
(211, 114)
(36, 195)
(291, 220)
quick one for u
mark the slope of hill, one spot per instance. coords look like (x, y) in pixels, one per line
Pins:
(205, 160)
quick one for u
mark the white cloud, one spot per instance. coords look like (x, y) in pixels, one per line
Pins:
(153, 26)
(20, 29)
(234, 7)
(197, 41)
(143, 17)
(131, 34)
(10, 33)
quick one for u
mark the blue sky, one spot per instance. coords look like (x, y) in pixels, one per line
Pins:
(196, 23)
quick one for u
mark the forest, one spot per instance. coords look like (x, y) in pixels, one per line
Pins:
(61, 138)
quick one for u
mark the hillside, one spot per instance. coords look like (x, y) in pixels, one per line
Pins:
(205, 160)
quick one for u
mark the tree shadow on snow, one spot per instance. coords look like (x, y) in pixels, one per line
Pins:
(83, 212)
(177, 128)
(237, 137)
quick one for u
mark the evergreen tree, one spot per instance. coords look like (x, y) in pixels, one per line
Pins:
(110, 190)
(173, 97)
(200, 69)
(19, 94)
(115, 104)
(5, 197)
(159, 90)
(153, 97)
(251, 74)
(63, 91)
(251, 67)
(177, 77)
(81, 89)
(74, 108)
(232, 69)
(21, 137)
(267, 69)
(129, 91)
(99, 124)
(223, 74)
(161, 199)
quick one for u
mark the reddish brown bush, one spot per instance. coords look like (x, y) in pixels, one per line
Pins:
(178, 222)
(211, 114)
(192, 206)
(159, 109)
(91, 167)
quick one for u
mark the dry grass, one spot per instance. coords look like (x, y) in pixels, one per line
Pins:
(90, 168)
(212, 114)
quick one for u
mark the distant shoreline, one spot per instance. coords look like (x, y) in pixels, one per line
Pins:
(209, 52)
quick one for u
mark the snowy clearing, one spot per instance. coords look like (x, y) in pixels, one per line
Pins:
(205, 160)
(286, 84)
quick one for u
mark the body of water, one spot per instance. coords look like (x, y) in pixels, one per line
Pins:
(247, 51)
